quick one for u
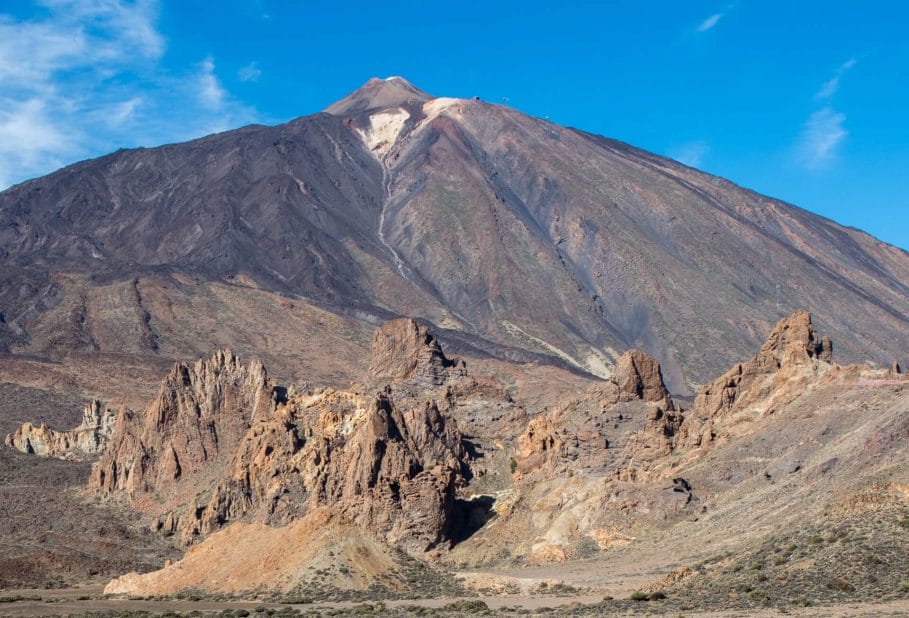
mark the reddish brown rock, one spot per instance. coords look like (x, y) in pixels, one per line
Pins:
(215, 447)
(791, 358)
(199, 417)
(638, 376)
(391, 469)
(577, 433)
(405, 350)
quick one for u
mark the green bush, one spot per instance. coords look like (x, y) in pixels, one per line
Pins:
(639, 595)
(758, 596)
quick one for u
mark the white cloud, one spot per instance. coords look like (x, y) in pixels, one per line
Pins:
(830, 87)
(250, 73)
(30, 137)
(80, 78)
(710, 22)
(691, 154)
(211, 92)
(821, 137)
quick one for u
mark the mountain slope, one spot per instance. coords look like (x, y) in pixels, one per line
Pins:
(476, 217)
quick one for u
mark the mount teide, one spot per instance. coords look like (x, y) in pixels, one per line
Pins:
(518, 236)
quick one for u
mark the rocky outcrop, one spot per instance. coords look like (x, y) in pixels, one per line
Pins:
(216, 446)
(616, 457)
(638, 376)
(390, 468)
(405, 350)
(198, 418)
(84, 442)
(586, 432)
(789, 361)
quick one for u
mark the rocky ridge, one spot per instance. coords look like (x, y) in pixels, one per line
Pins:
(620, 463)
(790, 361)
(406, 350)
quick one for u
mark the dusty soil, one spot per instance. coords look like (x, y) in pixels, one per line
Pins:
(52, 534)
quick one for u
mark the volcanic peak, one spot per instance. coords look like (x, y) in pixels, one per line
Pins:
(379, 94)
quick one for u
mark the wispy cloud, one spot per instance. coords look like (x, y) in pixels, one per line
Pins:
(124, 111)
(691, 154)
(710, 22)
(824, 130)
(263, 12)
(832, 85)
(249, 73)
(82, 77)
(821, 136)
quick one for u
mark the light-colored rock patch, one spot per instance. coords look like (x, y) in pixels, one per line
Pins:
(384, 129)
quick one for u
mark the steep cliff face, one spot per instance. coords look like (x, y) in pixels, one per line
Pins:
(84, 442)
(390, 468)
(639, 376)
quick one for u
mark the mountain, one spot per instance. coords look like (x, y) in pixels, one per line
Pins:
(520, 239)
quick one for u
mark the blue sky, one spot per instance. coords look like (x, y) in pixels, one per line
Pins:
(805, 101)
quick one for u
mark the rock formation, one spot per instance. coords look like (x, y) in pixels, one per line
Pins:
(390, 468)
(405, 350)
(217, 445)
(85, 441)
(198, 418)
(791, 358)
(638, 376)
(580, 432)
